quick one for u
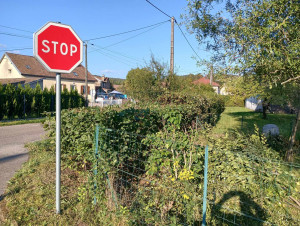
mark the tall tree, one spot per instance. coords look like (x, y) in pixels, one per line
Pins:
(140, 84)
(259, 37)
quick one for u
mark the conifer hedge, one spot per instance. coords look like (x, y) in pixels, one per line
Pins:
(22, 102)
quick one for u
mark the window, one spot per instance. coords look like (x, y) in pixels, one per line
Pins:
(82, 91)
(28, 67)
(75, 73)
(63, 86)
(9, 71)
(72, 87)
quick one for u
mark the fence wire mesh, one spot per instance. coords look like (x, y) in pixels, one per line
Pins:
(159, 180)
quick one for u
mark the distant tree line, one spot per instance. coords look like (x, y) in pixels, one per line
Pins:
(23, 102)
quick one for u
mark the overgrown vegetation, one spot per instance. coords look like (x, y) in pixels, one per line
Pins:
(150, 171)
(19, 102)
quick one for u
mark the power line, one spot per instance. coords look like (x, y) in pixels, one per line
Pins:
(16, 35)
(111, 54)
(125, 32)
(134, 35)
(187, 40)
(16, 29)
(177, 25)
(158, 9)
(115, 52)
(9, 50)
(112, 57)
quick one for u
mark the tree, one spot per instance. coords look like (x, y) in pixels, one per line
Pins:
(140, 84)
(258, 37)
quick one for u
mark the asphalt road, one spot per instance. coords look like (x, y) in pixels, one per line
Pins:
(12, 151)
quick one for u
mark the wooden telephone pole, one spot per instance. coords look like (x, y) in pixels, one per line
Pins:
(211, 75)
(172, 47)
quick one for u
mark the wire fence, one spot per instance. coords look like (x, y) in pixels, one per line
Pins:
(161, 179)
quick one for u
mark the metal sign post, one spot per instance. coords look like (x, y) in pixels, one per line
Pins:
(58, 123)
(59, 49)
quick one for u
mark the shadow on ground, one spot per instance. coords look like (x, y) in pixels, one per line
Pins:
(245, 212)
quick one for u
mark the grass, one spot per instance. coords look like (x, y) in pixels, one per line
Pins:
(30, 197)
(21, 121)
(242, 119)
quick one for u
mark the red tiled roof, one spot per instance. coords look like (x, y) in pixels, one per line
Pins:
(29, 65)
(205, 81)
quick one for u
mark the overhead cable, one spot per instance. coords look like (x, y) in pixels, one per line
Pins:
(16, 35)
(16, 29)
(125, 32)
(177, 25)
(115, 52)
(134, 36)
(158, 9)
(9, 50)
(187, 41)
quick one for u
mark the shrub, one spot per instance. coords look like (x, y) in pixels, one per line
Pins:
(37, 100)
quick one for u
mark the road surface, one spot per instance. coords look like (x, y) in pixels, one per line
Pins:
(12, 151)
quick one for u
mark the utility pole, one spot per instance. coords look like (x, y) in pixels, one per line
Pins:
(86, 75)
(211, 75)
(172, 47)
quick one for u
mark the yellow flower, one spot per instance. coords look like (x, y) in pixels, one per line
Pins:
(185, 196)
(186, 175)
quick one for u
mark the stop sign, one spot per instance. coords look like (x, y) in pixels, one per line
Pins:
(58, 47)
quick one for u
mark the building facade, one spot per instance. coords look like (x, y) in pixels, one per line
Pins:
(16, 67)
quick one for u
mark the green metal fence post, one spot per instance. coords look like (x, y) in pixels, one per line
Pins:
(96, 162)
(205, 186)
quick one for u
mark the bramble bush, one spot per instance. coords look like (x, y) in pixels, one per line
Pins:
(78, 125)
(151, 157)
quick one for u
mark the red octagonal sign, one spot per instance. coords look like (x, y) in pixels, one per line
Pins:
(58, 47)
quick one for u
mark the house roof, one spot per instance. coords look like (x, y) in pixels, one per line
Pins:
(205, 81)
(101, 78)
(29, 65)
(19, 80)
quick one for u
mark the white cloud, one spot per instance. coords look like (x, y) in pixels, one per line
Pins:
(107, 71)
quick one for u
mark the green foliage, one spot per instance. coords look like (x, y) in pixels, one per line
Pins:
(37, 101)
(258, 38)
(10, 100)
(261, 37)
(2, 102)
(117, 81)
(141, 84)
(65, 99)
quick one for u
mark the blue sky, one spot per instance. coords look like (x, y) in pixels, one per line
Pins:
(91, 19)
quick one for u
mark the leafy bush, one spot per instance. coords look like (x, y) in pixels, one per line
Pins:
(234, 101)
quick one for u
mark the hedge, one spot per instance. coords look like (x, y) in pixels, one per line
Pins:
(22, 102)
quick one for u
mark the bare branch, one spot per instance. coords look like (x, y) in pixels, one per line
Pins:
(291, 79)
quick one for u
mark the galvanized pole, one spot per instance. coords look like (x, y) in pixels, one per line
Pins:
(58, 123)
(86, 75)
(172, 47)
